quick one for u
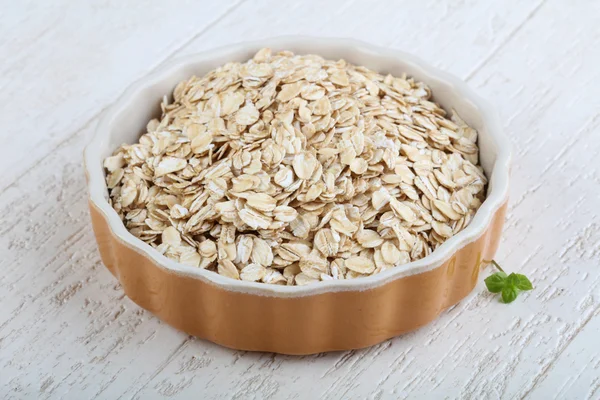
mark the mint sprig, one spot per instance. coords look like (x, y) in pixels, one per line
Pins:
(508, 285)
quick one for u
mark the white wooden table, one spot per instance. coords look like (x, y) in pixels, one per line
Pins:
(66, 329)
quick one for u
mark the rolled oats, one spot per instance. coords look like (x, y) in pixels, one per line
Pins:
(292, 170)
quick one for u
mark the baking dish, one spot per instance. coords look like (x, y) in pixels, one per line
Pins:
(330, 315)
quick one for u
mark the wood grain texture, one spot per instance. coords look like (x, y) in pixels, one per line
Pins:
(67, 331)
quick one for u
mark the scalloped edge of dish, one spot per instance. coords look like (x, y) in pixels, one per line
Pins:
(496, 198)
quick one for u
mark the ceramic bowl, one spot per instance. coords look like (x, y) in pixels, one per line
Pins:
(330, 315)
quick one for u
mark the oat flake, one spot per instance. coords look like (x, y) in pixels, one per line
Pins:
(291, 170)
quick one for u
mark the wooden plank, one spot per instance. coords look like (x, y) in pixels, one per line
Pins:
(67, 331)
(63, 62)
(432, 29)
(576, 372)
(59, 300)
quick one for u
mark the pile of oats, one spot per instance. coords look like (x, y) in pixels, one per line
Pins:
(293, 169)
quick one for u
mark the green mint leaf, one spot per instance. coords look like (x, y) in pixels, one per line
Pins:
(509, 293)
(522, 282)
(509, 286)
(496, 282)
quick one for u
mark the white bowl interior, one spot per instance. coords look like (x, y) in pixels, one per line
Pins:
(127, 119)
